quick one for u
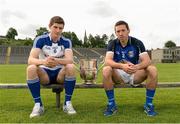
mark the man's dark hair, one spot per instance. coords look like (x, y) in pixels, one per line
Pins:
(56, 19)
(122, 23)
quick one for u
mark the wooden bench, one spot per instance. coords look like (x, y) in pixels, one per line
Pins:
(58, 88)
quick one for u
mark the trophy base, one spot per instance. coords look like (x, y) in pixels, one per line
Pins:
(89, 82)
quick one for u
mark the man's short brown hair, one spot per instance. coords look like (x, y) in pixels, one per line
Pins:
(56, 19)
(122, 23)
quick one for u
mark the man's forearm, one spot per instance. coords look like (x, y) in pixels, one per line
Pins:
(63, 61)
(114, 64)
(143, 65)
(35, 61)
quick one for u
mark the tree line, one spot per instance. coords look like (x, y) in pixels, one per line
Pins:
(89, 41)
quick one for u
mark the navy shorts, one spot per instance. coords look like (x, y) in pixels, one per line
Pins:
(52, 74)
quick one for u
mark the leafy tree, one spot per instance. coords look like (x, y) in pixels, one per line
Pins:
(3, 41)
(112, 37)
(75, 40)
(92, 41)
(73, 37)
(11, 33)
(41, 31)
(100, 41)
(104, 37)
(105, 40)
(96, 41)
(28, 43)
(170, 44)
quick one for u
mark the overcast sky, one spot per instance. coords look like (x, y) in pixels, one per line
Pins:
(152, 21)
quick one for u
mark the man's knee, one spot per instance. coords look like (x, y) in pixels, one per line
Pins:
(107, 71)
(70, 69)
(31, 68)
(152, 70)
(153, 77)
(31, 72)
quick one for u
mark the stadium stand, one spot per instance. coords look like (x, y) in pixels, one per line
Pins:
(3, 52)
(101, 51)
(90, 52)
(77, 53)
(19, 54)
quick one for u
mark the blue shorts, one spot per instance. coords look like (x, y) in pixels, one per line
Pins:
(52, 74)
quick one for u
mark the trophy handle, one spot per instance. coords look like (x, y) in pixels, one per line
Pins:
(100, 61)
(76, 63)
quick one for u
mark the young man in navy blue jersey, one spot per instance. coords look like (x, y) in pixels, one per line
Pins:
(127, 61)
(51, 61)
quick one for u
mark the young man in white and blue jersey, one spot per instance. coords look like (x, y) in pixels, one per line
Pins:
(127, 61)
(51, 61)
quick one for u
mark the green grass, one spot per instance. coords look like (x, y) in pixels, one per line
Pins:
(169, 72)
(12, 73)
(16, 105)
(17, 73)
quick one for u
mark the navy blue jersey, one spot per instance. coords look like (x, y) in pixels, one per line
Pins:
(50, 48)
(128, 53)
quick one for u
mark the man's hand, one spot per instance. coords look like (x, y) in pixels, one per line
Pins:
(50, 62)
(130, 68)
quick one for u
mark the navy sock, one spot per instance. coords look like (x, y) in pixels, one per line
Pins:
(34, 87)
(110, 95)
(69, 85)
(149, 96)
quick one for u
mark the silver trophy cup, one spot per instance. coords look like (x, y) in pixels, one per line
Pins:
(88, 68)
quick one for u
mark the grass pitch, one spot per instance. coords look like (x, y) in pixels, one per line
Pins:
(17, 104)
(17, 73)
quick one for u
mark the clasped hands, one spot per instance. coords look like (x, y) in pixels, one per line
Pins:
(130, 68)
(50, 62)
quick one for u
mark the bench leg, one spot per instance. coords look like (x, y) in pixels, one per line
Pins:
(58, 96)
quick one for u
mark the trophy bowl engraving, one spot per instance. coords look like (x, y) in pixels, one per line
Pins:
(88, 68)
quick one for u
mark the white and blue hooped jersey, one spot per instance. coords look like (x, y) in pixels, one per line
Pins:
(50, 48)
(129, 53)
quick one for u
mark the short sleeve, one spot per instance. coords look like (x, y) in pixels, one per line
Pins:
(141, 47)
(38, 43)
(67, 43)
(110, 46)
